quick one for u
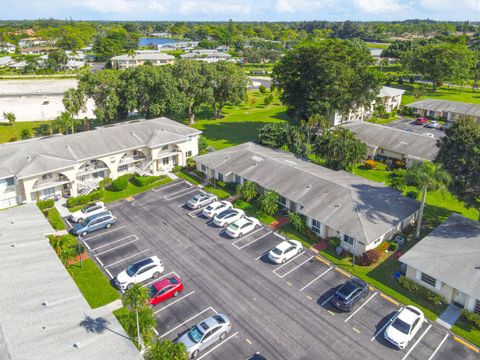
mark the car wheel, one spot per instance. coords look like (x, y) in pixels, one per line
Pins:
(299, 251)
(223, 336)
(175, 294)
(156, 274)
(80, 220)
(129, 286)
(284, 260)
(84, 233)
(194, 354)
(108, 225)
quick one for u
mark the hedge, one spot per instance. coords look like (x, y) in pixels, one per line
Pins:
(55, 219)
(85, 199)
(45, 204)
(141, 181)
(120, 183)
(368, 258)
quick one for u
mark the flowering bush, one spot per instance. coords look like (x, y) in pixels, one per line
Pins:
(370, 164)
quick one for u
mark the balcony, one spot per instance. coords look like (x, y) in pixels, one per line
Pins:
(89, 169)
(132, 159)
(166, 153)
(49, 183)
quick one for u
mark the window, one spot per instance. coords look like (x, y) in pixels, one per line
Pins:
(477, 307)
(283, 201)
(165, 161)
(164, 147)
(9, 181)
(428, 279)
(238, 179)
(123, 168)
(220, 176)
(46, 176)
(188, 154)
(316, 226)
(204, 168)
(348, 239)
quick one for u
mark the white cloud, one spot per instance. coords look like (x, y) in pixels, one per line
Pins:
(379, 6)
(447, 5)
(157, 6)
(303, 6)
(206, 7)
(283, 6)
(111, 6)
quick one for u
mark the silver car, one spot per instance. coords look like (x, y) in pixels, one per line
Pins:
(201, 200)
(205, 333)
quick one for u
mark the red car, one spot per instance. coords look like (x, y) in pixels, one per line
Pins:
(165, 289)
(421, 121)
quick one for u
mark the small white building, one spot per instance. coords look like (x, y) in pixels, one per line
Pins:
(6, 60)
(7, 47)
(70, 165)
(141, 57)
(206, 55)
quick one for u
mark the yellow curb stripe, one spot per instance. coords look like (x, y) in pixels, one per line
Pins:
(463, 342)
(331, 313)
(248, 341)
(388, 298)
(322, 260)
(356, 330)
(309, 297)
(341, 271)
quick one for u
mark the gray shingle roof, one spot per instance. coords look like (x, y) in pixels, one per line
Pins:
(400, 141)
(345, 202)
(390, 92)
(31, 157)
(31, 275)
(145, 56)
(451, 254)
(447, 106)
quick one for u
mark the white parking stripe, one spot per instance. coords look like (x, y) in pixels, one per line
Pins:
(119, 246)
(103, 233)
(160, 277)
(265, 253)
(113, 242)
(109, 273)
(183, 192)
(219, 344)
(318, 277)
(186, 321)
(438, 347)
(180, 298)
(155, 331)
(361, 306)
(251, 242)
(129, 257)
(169, 186)
(280, 236)
(246, 236)
(383, 327)
(289, 261)
(84, 243)
(68, 222)
(296, 267)
(416, 342)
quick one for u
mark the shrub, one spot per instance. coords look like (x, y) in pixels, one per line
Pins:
(408, 284)
(220, 183)
(397, 179)
(297, 220)
(120, 183)
(384, 246)
(472, 317)
(400, 164)
(105, 183)
(45, 204)
(191, 164)
(231, 186)
(392, 246)
(435, 298)
(334, 242)
(177, 168)
(200, 174)
(368, 258)
(370, 164)
(412, 194)
(141, 181)
(85, 199)
(55, 219)
(13, 138)
(262, 89)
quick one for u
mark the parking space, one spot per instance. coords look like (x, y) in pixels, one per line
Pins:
(409, 125)
(281, 310)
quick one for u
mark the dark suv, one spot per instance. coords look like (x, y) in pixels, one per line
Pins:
(349, 294)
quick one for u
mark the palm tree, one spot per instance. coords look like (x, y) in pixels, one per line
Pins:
(269, 202)
(63, 122)
(427, 176)
(131, 53)
(312, 126)
(74, 101)
(64, 247)
(135, 299)
(10, 117)
(166, 349)
(248, 190)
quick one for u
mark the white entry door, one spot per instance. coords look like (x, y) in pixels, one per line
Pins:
(460, 298)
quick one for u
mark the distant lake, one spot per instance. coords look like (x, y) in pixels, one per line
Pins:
(155, 41)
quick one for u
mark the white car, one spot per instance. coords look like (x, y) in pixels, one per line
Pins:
(216, 208)
(140, 271)
(227, 217)
(404, 325)
(432, 124)
(200, 200)
(88, 210)
(242, 226)
(285, 251)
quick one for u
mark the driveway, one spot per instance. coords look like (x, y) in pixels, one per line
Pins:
(409, 125)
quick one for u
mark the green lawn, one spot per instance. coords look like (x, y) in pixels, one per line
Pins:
(464, 329)
(382, 121)
(190, 177)
(443, 93)
(132, 190)
(241, 123)
(55, 219)
(93, 284)
(290, 232)
(253, 210)
(221, 193)
(9, 131)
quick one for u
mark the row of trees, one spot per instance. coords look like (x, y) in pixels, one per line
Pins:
(182, 89)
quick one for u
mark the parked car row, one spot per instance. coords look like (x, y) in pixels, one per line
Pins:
(91, 217)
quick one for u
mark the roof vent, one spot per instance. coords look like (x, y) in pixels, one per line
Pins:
(309, 186)
(76, 345)
(45, 303)
(13, 244)
(338, 205)
(29, 158)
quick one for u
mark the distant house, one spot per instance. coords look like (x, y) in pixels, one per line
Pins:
(447, 262)
(32, 42)
(376, 53)
(6, 60)
(38, 50)
(74, 65)
(206, 55)
(7, 47)
(390, 98)
(445, 109)
(360, 213)
(156, 58)
(387, 142)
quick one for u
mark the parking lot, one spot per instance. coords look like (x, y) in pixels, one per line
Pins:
(280, 311)
(409, 125)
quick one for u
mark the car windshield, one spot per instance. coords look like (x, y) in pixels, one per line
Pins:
(197, 198)
(277, 251)
(152, 291)
(347, 290)
(401, 326)
(195, 334)
(132, 269)
(234, 226)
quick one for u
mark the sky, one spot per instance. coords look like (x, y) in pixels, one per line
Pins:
(241, 10)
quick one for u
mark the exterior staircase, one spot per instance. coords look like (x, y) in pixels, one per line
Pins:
(87, 187)
(144, 168)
